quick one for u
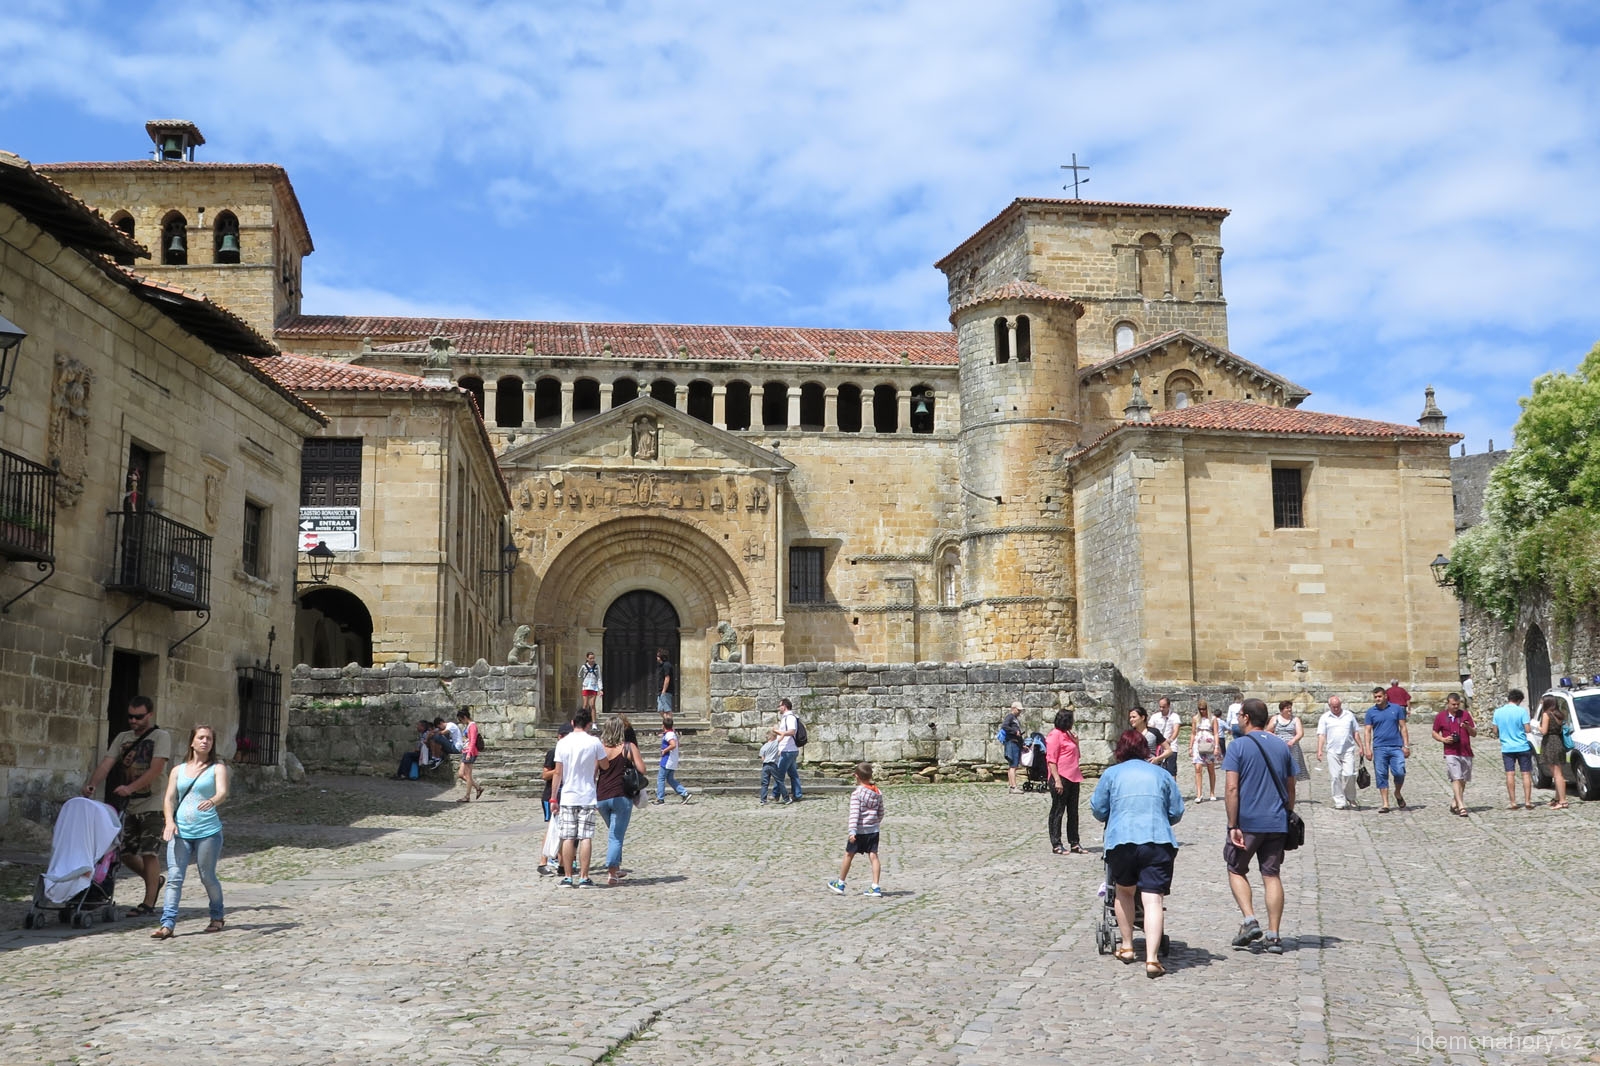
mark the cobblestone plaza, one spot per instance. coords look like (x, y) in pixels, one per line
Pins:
(373, 921)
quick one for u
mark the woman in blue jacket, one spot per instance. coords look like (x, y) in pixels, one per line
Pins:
(1140, 803)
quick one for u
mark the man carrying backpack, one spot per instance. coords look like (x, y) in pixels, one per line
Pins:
(789, 733)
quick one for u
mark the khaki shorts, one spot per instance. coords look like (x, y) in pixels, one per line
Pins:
(1458, 767)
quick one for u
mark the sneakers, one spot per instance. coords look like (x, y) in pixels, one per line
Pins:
(657, 803)
(544, 871)
(1275, 945)
(875, 892)
(584, 882)
(1248, 931)
(684, 798)
(836, 887)
(565, 882)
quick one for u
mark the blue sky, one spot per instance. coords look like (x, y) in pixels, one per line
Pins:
(1413, 185)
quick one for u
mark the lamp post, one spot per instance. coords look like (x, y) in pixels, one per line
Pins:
(1441, 572)
(320, 559)
(509, 554)
(11, 338)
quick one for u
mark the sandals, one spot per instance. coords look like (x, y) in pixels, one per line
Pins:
(1383, 810)
(1153, 970)
(464, 799)
(215, 926)
(1058, 849)
(478, 794)
(143, 910)
(163, 933)
(1558, 806)
(1125, 955)
(1077, 850)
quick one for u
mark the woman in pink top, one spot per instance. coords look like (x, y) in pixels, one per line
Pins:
(1061, 755)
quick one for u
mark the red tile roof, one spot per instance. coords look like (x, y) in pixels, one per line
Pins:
(278, 176)
(1088, 207)
(306, 373)
(1016, 290)
(59, 213)
(633, 341)
(1239, 416)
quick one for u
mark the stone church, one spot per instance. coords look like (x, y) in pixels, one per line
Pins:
(1079, 466)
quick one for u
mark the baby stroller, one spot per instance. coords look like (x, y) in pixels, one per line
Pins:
(1033, 761)
(80, 884)
(1106, 932)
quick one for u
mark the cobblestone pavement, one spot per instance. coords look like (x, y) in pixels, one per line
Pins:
(373, 921)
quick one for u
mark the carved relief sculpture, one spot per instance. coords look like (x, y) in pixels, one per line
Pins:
(522, 648)
(213, 501)
(727, 648)
(644, 437)
(69, 428)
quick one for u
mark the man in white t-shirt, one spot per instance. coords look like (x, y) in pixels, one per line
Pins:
(1170, 725)
(578, 758)
(788, 750)
(1336, 739)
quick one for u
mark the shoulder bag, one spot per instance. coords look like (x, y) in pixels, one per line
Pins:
(1295, 832)
(633, 782)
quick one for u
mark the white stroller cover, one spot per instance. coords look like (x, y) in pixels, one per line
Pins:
(85, 830)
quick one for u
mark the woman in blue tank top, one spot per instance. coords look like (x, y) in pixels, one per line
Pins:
(194, 831)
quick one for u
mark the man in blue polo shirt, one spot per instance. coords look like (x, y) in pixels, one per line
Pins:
(1260, 778)
(1388, 744)
(1516, 750)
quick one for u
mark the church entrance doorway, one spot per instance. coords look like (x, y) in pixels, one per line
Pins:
(636, 624)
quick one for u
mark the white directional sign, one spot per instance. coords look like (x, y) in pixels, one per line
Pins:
(337, 527)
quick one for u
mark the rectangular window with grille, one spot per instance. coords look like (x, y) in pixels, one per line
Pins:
(260, 697)
(1288, 497)
(805, 575)
(330, 472)
(254, 560)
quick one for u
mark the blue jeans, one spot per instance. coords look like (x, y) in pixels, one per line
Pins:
(1386, 761)
(770, 779)
(665, 777)
(616, 812)
(789, 770)
(205, 853)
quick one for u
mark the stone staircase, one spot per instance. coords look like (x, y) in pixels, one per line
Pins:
(709, 765)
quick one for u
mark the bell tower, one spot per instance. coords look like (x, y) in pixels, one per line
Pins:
(1019, 416)
(233, 231)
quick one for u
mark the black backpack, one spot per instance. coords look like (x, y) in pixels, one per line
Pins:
(799, 732)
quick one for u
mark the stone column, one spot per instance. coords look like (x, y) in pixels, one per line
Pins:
(1167, 256)
(830, 408)
(566, 403)
(491, 409)
(719, 406)
(605, 396)
(528, 390)
(794, 406)
(1011, 337)
(681, 397)
(903, 402)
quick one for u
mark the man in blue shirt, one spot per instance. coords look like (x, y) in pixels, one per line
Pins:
(1387, 743)
(1516, 750)
(1260, 776)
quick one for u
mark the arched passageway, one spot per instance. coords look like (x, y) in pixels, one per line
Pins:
(332, 628)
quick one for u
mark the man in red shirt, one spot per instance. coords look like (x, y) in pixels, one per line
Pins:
(1397, 695)
(1454, 728)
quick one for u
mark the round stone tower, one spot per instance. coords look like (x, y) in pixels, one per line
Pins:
(1019, 417)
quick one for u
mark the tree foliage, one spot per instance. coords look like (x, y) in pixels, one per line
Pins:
(1541, 507)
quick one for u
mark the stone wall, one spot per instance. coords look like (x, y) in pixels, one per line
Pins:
(359, 720)
(1494, 655)
(1469, 477)
(924, 718)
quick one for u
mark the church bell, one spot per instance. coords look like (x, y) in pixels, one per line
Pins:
(229, 245)
(171, 147)
(176, 245)
(920, 408)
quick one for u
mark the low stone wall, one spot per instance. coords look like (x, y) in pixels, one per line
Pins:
(932, 720)
(356, 720)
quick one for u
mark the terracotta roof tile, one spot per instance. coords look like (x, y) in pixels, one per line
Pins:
(306, 373)
(1016, 290)
(1239, 416)
(783, 344)
(59, 213)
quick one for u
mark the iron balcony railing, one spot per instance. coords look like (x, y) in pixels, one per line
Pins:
(161, 560)
(27, 509)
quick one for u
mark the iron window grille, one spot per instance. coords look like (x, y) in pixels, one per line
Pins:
(805, 575)
(1288, 497)
(260, 700)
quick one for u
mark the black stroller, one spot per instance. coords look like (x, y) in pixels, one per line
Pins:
(80, 884)
(1106, 931)
(1033, 761)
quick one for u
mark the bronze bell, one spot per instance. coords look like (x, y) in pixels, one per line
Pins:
(229, 246)
(176, 245)
(171, 147)
(919, 406)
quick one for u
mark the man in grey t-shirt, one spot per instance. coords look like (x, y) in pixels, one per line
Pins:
(140, 755)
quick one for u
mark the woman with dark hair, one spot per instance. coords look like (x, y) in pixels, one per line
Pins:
(1140, 803)
(193, 830)
(1553, 748)
(1139, 718)
(472, 747)
(1061, 758)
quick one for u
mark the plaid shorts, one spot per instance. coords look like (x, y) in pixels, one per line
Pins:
(576, 823)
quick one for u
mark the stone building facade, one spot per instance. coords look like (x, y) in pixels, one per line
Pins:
(148, 481)
(1078, 467)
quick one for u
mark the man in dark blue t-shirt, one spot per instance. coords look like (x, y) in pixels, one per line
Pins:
(1258, 820)
(1388, 744)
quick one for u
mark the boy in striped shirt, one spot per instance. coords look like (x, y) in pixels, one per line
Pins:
(866, 816)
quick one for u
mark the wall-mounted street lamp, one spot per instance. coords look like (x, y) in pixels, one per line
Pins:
(320, 559)
(1441, 572)
(11, 338)
(508, 560)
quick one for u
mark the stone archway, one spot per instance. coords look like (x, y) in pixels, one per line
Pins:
(1536, 663)
(671, 558)
(332, 629)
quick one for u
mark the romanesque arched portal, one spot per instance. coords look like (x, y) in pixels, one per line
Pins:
(637, 623)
